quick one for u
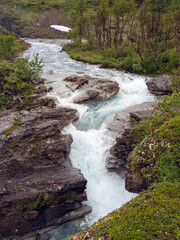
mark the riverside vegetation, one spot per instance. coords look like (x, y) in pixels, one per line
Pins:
(138, 36)
(16, 73)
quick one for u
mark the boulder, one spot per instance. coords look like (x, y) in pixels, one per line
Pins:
(159, 85)
(74, 82)
(91, 89)
(133, 183)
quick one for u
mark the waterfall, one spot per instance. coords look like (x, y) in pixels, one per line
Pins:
(91, 139)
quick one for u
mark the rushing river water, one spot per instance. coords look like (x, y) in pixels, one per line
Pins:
(91, 139)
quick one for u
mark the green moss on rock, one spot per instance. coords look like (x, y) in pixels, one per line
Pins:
(44, 200)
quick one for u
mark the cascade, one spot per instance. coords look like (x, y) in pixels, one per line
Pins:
(91, 139)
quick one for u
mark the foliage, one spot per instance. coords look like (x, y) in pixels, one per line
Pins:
(42, 201)
(15, 77)
(156, 157)
(144, 35)
(8, 49)
(154, 214)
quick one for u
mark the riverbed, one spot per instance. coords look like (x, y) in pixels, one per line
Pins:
(91, 138)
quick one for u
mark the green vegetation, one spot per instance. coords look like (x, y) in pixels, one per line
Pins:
(32, 17)
(152, 215)
(15, 73)
(42, 201)
(15, 125)
(156, 157)
(137, 36)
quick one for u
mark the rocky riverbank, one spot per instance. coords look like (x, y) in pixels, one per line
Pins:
(121, 125)
(38, 185)
(39, 188)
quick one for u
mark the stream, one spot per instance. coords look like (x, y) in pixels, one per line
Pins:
(91, 138)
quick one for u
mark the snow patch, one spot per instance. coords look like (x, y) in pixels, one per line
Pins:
(61, 28)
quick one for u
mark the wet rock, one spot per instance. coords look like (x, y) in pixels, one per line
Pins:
(120, 125)
(160, 85)
(44, 236)
(42, 89)
(38, 186)
(37, 80)
(87, 96)
(91, 89)
(74, 82)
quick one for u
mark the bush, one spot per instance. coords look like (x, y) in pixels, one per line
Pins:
(15, 78)
(8, 49)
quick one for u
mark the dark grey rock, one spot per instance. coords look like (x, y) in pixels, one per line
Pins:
(38, 186)
(160, 85)
(120, 124)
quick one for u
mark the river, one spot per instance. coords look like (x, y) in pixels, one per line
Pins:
(91, 139)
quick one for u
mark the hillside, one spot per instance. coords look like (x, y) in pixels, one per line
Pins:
(33, 18)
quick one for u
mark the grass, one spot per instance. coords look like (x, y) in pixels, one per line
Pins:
(152, 215)
(156, 155)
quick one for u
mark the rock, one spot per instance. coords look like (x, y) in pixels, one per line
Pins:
(87, 96)
(42, 89)
(48, 102)
(133, 183)
(120, 125)
(91, 89)
(37, 80)
(38, 186)
(44, 236)
(74, 82)
(159, 85)
(79, 72)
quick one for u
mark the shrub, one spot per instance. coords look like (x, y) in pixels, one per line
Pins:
(8, 49)
(15, 78)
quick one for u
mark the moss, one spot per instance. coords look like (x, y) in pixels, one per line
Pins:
(154, 214)
(15, 126)
(10, 145)
(44, 201)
